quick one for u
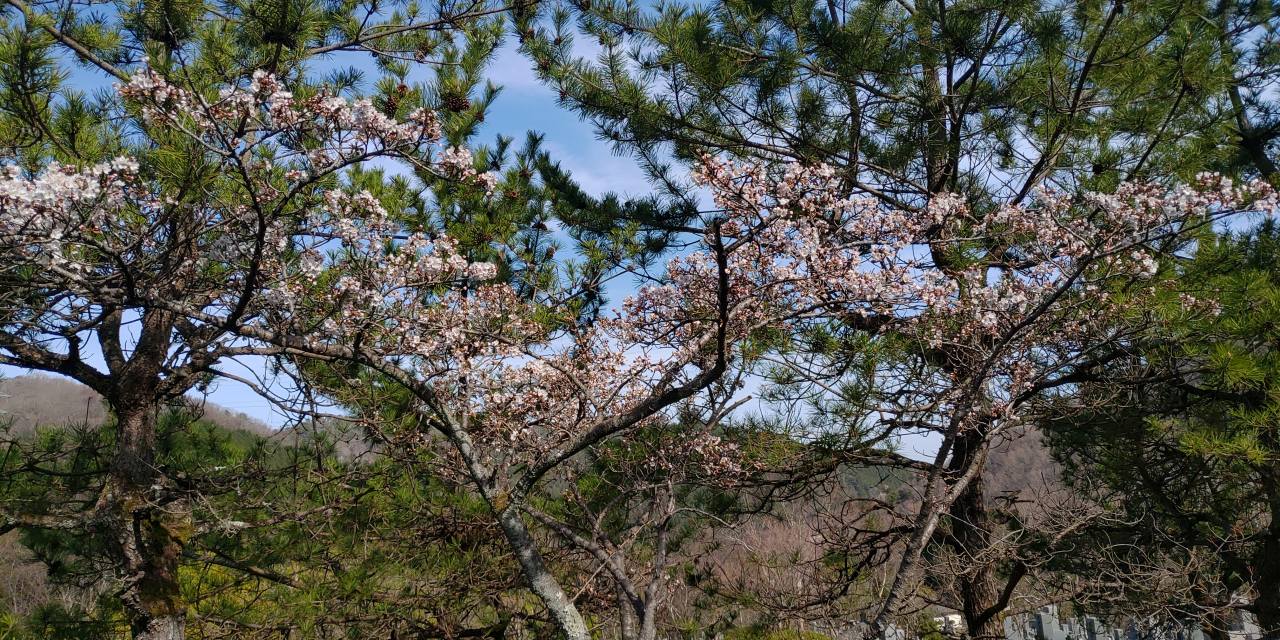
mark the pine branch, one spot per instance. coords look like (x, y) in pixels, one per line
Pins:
(71, 43)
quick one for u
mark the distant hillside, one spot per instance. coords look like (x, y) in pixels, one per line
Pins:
(1020, 464)
(38, 400)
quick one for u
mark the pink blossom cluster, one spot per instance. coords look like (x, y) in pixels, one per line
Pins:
(418, 304)
(1008, 297)
(259, 135)
(458, 163)
(40, 215)
(791, 247)
(819, 250)
(265, 106)
(1054, 275)
(699, 455)
(265, 116)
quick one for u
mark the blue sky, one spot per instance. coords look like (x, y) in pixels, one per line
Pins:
(525, 104)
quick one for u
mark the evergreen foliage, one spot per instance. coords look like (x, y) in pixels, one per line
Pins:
(989, 99)
(1187, 456)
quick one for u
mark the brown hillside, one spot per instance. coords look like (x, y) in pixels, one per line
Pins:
(39, 400)
(1020, 464)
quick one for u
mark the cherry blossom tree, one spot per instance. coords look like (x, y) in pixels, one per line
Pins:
(1000, 308)
(85, 248)
(983, 311)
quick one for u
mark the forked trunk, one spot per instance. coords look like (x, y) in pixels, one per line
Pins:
(649, 623)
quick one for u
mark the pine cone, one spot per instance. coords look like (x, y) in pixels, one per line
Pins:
(456, 102)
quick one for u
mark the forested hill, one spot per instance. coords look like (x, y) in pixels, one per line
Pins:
(38, 400)
(27, 401)
(1021, 464)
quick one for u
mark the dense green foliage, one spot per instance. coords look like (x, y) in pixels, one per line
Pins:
(1189, 458)
(992, 99)
(296, 536)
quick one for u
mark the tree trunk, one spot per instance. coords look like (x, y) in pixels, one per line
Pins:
(146, 528)
(1266, 557)
(649, 621)
(1266, 607)
(663, 508)
(626, 617)
(970, 536)
(1267, 613)
(541, 581)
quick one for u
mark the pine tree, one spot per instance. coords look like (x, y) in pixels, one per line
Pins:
(1246, 32)
(1186, 455)
(989, 99)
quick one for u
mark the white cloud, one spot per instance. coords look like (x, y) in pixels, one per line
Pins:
(596, 169)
